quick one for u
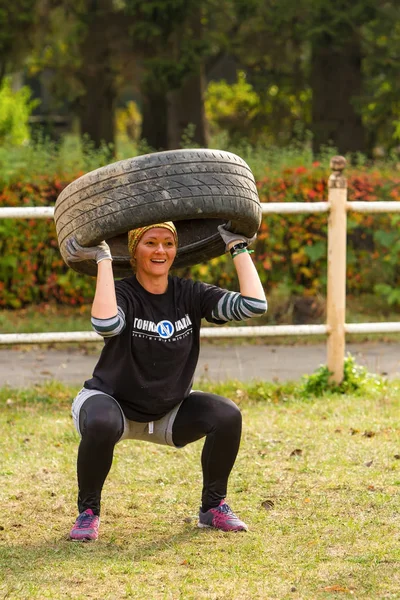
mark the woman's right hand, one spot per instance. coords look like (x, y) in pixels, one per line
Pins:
(77, 253)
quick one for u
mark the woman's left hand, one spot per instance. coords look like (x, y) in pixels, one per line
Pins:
(229, 237)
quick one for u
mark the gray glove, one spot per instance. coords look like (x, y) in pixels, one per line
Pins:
(229, 236)
(77, 253)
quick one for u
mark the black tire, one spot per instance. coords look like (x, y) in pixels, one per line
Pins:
(196, 189)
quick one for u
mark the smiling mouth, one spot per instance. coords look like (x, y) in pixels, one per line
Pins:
(158, 261)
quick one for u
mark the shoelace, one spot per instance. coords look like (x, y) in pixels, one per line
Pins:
(224, 508)
(85, 520)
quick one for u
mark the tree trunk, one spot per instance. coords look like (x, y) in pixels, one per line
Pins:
(97, 108)
(336, 82)
(154, 117)
(186, 114)
(98, 78)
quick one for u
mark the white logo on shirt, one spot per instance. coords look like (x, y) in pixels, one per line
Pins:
(165, 329)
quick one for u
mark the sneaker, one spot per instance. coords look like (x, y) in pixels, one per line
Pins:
(86, 527)
(222, 518)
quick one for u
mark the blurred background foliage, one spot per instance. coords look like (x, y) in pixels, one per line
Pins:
(290, 252)
(318, 72)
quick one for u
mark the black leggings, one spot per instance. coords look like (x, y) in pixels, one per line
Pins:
(201, 414)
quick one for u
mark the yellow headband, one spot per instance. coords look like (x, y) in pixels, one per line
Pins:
(135, 235)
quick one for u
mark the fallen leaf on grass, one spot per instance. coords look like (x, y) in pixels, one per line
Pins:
(296, 452)
(354, 431)
(369, 463)
(369, 433)
(397, 456)
(267, 504)
(337, 588)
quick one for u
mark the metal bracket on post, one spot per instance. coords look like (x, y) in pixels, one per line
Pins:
(336, 284)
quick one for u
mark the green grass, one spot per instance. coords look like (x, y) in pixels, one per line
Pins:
(316, 480)
(45, 317)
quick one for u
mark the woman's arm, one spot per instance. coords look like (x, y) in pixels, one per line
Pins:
(107, 319)
(249, 280)
(104, 302)
(250, 301)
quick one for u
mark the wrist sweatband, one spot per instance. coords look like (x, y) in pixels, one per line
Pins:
(241, 250)
(239, 246)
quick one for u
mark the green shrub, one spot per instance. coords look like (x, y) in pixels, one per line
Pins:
(128, 121)
(291, 250)
(232, 108)
(356, 381)
(15, 110)
(31, 267)
(244, 110)
(28, 163)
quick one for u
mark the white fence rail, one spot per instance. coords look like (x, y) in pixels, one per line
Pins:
(28, 212)
(335, 328)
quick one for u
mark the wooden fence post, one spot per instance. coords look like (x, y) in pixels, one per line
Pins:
(336, 264)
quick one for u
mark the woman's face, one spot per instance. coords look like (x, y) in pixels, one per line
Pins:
(155, 252)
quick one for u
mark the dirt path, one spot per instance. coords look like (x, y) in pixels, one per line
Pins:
(22, 368)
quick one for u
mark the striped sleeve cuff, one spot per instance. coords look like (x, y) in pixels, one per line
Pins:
(109, 327)
(235, 307)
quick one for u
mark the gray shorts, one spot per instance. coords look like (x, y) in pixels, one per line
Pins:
(158, 432)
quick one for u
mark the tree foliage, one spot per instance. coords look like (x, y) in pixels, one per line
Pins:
(327, 67)
(17, 21)
(15, 109)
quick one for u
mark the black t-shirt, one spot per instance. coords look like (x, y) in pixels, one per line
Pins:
(149, 367)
